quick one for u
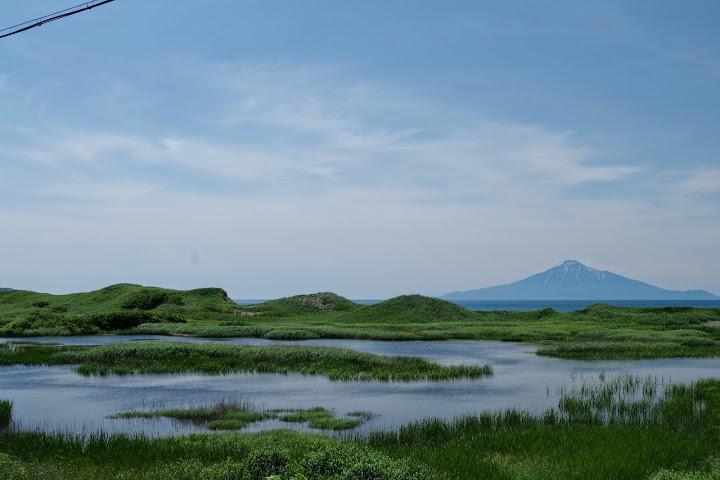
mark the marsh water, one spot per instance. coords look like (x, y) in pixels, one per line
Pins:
(57, 399)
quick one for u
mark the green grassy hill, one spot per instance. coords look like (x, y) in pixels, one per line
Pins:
(303, 304)
(115, 307)
(411, 309)
(399, 310)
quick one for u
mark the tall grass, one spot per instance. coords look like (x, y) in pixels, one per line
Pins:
(6, 408)
(621, 428)
(201, 414)
(209, 457)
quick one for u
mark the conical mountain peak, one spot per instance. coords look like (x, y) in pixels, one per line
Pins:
(572, 280)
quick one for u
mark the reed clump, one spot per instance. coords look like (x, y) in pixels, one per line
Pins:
(621, 427)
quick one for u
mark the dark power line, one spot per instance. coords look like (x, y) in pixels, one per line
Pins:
(37, 22)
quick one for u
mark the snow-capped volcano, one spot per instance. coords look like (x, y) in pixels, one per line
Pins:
(572, 280)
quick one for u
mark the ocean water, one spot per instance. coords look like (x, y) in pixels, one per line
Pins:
(559, 305)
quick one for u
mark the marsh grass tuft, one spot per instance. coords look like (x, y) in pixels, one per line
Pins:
(621, 427)
(236, 416)
(194, 414)
(322, 419)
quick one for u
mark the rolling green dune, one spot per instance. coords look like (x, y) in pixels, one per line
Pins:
(411, 309)
(116, 307)
(303, 304)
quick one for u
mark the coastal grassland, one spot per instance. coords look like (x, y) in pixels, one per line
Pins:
(167, 357)
(229, 416)
(6, 408)
(618, 428)
(596, 332)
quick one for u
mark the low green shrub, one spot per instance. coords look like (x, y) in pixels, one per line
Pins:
(145, 299)
(712, 472)
(347, 461)
(13, 469)
(261, 464)
(193, 470)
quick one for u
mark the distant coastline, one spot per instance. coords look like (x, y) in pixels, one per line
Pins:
(528, 305)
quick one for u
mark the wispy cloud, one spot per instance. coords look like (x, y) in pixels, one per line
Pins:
(290, 128)
(282, 168)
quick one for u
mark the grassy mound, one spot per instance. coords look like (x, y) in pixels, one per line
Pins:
(116, 307)
(411, 309)
(303, 304)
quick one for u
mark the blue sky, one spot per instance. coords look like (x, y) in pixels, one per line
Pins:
(370, 148)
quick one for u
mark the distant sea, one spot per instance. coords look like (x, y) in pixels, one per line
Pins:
(559, 305)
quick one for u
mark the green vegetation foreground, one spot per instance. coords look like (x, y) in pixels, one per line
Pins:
(168, 357)
(622, 429)
(596, 332)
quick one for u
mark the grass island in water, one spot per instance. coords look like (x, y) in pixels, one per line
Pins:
(167, 357)
(228, 416)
